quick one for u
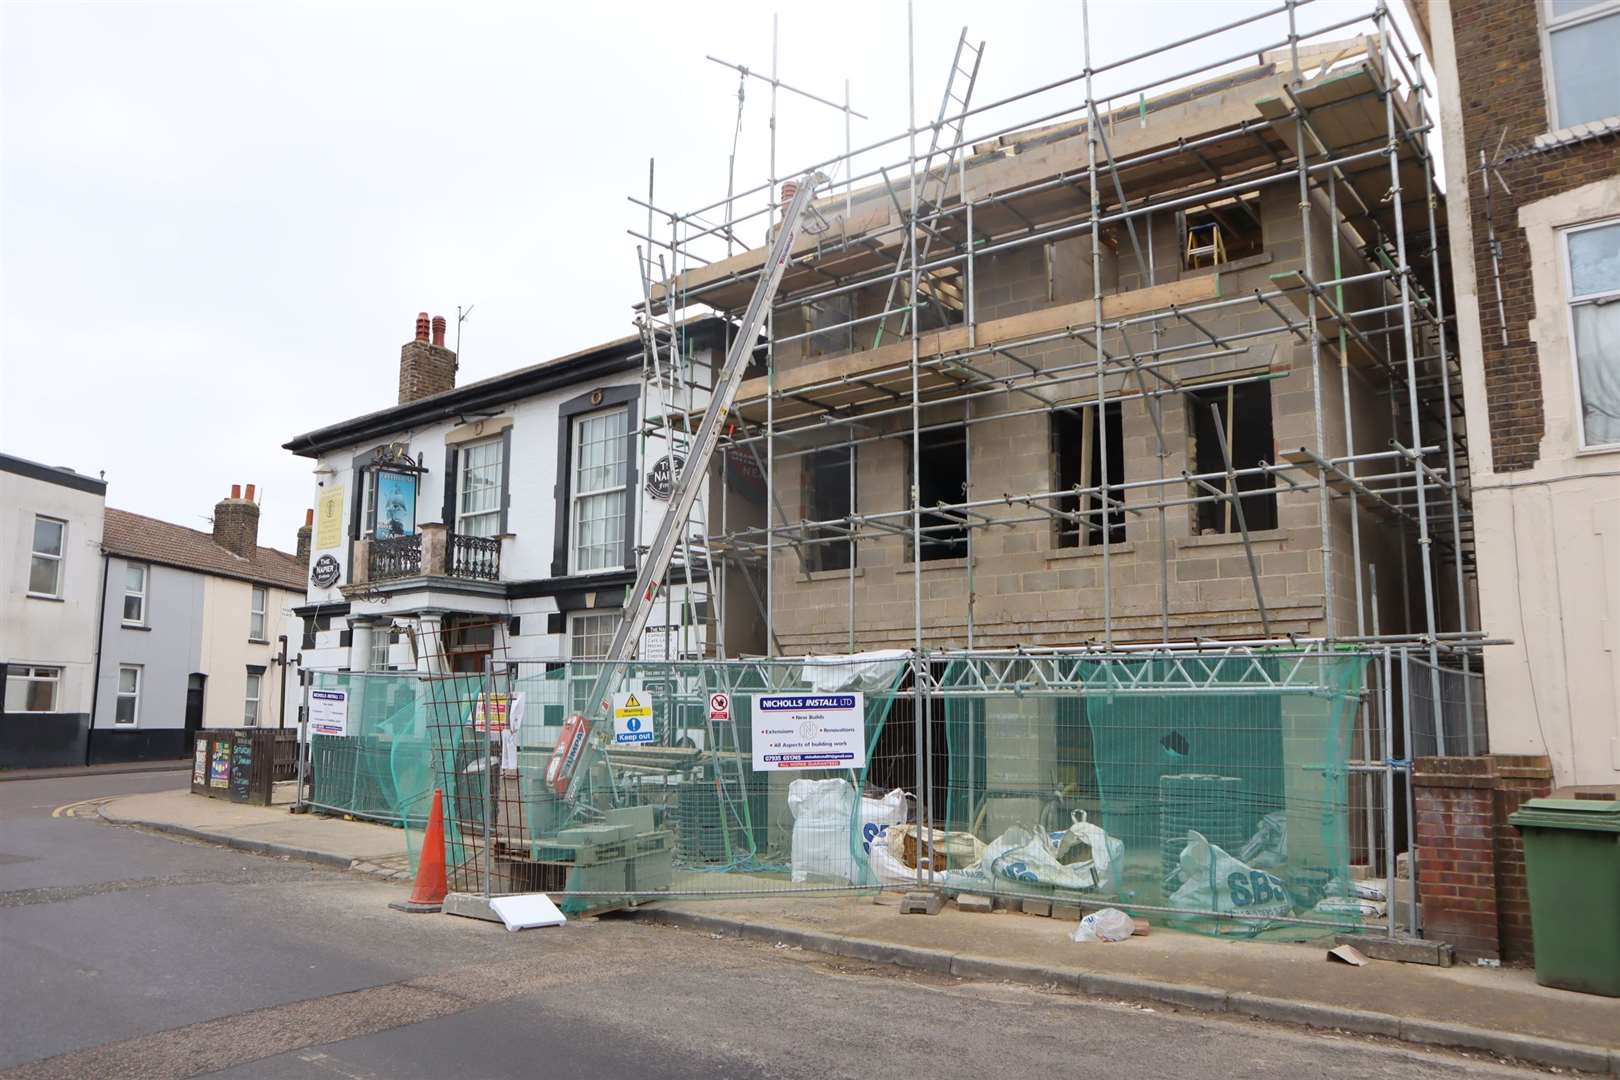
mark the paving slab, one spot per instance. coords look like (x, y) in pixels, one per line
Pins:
(1267, 979)
(268, 829)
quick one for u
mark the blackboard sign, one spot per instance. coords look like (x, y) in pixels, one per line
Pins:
(241, 767)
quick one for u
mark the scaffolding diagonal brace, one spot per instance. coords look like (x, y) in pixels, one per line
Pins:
(639, 602)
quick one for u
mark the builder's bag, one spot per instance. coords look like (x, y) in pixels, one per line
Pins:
(826, 837)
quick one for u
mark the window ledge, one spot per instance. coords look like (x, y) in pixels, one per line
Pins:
(1090, 551)
(1569, 136)
(832, 575)
(134, 626)
(1232, 539)
(909, 566)
(44, 596)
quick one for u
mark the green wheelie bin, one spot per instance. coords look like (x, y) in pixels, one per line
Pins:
(1572, 860)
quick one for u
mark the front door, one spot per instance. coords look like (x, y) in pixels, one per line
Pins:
(194, 707)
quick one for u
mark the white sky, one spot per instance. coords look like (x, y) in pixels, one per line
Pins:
(219, 220)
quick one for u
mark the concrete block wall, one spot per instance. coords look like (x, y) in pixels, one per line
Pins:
(1023, 587)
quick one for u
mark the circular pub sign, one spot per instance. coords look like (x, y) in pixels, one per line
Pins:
(661, 480)
(326, 572)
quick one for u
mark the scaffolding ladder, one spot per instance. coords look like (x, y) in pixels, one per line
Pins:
(639, 602)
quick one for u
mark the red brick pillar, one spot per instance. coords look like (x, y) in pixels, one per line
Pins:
(1519, 777)
(1456, 815)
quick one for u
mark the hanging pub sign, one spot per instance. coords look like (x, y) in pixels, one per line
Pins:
(396, 505)
(661, 480)
(326, 572)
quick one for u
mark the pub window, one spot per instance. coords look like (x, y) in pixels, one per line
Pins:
(1078, 445)
(829, 486)
(942, 481)
(1245, 412)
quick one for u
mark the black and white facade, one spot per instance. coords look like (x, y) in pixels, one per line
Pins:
(501, 518)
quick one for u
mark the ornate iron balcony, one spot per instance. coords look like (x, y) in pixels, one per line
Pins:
(396, 557)
(477, 557)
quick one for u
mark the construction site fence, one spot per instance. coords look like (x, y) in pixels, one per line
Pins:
(1247, 791)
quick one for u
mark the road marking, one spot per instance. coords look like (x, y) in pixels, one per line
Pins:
(71, 809)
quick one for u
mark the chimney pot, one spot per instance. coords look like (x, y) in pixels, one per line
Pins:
(438, 331)
(309, 518)
(236, 491)
(790, 188)
(249, 495)
(422, 326)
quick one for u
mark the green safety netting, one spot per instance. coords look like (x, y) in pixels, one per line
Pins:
(1210, 791)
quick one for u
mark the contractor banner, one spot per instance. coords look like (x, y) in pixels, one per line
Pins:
(809, 731)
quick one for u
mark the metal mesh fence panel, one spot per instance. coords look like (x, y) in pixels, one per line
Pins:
(672, 798)
(1458, 726)
(1211, 790)
(381, 767)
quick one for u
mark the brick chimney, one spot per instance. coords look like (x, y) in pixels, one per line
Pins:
(304, 534)
(425, 365)
(236, 522)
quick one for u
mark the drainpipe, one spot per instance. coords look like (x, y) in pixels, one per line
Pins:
(95, 677)
(281, 707)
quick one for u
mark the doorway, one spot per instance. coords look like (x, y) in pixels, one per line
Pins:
(194, 708)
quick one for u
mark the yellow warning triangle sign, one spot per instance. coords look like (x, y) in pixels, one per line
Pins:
(631, 702)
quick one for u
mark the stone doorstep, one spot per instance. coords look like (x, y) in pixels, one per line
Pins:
(1533, 1049)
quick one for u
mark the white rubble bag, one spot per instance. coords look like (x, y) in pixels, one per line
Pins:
(823, 840)
(1084, 843)
(1214, 881)
(886, 852)
(1109, 924)
(1020, 855)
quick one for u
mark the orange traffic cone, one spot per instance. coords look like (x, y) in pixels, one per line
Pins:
(431, 885)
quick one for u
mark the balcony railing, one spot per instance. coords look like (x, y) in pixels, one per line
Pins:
(477, 557)
(396, 557)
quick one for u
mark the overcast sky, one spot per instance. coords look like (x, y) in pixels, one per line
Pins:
(219, 220)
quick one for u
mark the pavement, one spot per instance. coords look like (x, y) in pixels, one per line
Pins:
(129, 955)
(118, 768)
(1500, 1011)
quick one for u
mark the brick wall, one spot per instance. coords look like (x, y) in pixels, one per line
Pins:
(1499, 68)
(1454, 799)
(1519, 778)
(1471, 877)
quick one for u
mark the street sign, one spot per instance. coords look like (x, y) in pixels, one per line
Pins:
(632, 718)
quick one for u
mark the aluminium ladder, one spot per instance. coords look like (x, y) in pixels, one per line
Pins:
(639, 601)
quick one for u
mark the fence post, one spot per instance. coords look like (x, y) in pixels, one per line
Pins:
(300, 804)
(481, 740)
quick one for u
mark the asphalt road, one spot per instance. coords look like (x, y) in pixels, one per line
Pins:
(124, 954)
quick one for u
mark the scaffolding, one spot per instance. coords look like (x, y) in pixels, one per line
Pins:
(1340, 125)
(1265, 224)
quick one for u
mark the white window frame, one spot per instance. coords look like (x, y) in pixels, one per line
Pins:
(252, 698)
(581, 680)
(463, 489)
(1571, 302)
(146, 580)
(381, 644)
(59, 558)
(133, 695)
(258, 614)
(30, 673)
(1549, 24)
(576, 496)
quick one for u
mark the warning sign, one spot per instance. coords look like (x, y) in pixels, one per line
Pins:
(632, 718)
(719, 706)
